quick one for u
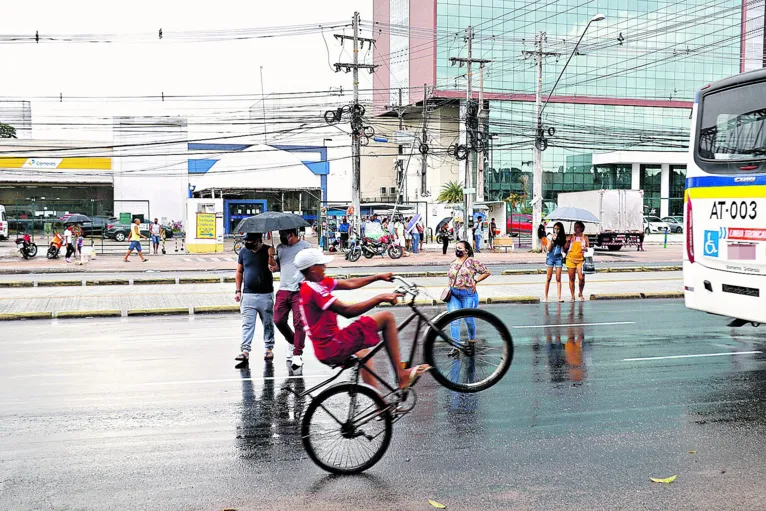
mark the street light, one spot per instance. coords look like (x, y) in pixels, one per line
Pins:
(540, 143)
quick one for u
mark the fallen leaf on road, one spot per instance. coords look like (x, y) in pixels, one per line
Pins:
(667, 480)
(437, 505)
(692, 452)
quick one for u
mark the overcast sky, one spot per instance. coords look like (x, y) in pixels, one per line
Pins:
(295, 63)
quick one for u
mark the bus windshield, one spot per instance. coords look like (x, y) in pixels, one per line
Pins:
(733, 124)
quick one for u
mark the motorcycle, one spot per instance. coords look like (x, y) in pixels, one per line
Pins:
(353, 251)
(55, 246)
(27, 248)
(385, 245)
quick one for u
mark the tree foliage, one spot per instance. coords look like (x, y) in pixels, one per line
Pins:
(7, 131)
(451, 193)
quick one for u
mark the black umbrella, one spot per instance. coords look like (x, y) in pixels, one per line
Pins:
(441, 224)
(76, 219)
(271, 221)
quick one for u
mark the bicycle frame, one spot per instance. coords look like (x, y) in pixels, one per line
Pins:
(360, 363)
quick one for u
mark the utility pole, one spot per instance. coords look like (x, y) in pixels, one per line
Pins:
(482, 153)
(356, 135)
(263, 107)
(424, 142)
(540, 143)
(400, 110)
(468, 194)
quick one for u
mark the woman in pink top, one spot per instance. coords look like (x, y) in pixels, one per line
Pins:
(464, 273)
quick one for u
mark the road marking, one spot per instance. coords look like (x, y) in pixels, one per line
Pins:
(188, 259)
(228, 380)
(731, 353)
(578, 324)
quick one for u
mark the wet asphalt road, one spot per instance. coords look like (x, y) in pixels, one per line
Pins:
(151, 414)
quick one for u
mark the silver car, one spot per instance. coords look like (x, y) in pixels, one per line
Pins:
(676, 223)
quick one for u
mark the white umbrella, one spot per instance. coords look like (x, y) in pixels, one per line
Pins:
(567, 214)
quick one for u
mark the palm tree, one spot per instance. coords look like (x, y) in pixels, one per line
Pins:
(452, 193)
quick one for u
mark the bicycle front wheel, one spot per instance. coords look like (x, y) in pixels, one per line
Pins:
(237, 247)
(347, 428)
(483, 354)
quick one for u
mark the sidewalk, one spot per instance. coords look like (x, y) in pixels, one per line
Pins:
(228, 261)
(176, 298)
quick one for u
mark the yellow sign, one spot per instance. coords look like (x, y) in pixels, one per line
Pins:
(205, 225)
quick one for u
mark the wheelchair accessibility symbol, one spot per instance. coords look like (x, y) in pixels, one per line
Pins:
(711, 243)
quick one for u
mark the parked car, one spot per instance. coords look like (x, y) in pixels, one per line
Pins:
(676, 223)
(519, 223)
(654, 224)
(4, 227)
(120, 232)
(98, 225)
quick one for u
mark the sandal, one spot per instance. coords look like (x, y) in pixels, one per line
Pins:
(414, 374)
(269, 354)
(242, 356)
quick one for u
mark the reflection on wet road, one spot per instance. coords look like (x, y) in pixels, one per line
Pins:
(600, 397)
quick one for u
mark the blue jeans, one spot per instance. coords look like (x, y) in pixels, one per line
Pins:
(463, 299)
(477, 242)
(255, 304)
(415, 242)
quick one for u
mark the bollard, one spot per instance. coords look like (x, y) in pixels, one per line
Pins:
(665, 245)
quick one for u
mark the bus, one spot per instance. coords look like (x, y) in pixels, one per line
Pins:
(724, 267)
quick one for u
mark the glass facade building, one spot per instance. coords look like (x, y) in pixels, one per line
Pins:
(629, 86)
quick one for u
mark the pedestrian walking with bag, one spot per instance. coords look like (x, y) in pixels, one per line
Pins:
(135, 241)
(554, 258)
(255, 291)
(492, 234)
(288, 296)
(575, 248)
(155, 230)
(68, 241)
(464, 273)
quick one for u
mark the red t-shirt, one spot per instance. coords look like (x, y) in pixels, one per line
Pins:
(320, 323)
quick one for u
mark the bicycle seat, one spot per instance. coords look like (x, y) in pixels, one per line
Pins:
(347, 363)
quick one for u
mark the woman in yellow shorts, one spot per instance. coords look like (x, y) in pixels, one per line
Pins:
(576, 246)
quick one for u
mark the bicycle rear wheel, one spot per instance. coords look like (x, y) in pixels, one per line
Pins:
(347, 428)
(237, 246)
(474, 366)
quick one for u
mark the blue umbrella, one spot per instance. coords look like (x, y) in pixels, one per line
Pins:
(412, 222)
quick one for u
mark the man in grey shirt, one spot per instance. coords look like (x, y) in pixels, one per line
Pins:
(287, 296)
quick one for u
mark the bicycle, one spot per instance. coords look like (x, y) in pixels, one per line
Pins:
(239, 242)
(356, 417)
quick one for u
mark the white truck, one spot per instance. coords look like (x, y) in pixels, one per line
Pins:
(620, 214)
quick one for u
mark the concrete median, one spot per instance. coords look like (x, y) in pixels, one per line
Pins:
(59, 283)
(512, 299)
(115, 313)
(17, 283)
(166, 311)
(663, 294)
(216, 309)
(108, 282)
(199, 280)
(617, 296)
(15, 316)
(153, 282)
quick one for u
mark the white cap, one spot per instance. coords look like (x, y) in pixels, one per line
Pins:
(310, 257)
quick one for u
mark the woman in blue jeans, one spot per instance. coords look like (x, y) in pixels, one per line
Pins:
(464, 273)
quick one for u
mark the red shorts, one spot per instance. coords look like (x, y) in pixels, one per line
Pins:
(359, 335)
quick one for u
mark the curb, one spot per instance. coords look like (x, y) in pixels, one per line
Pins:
(151, 282)
(617, 296)
(25, 315)
(512, 299)
(422, 303)
(159, 312)
(59, 283)
(116, 313)
(17, 283)
(522, 272)
(107, 282)
(199, 280)
(215, 309)
(663, 294)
